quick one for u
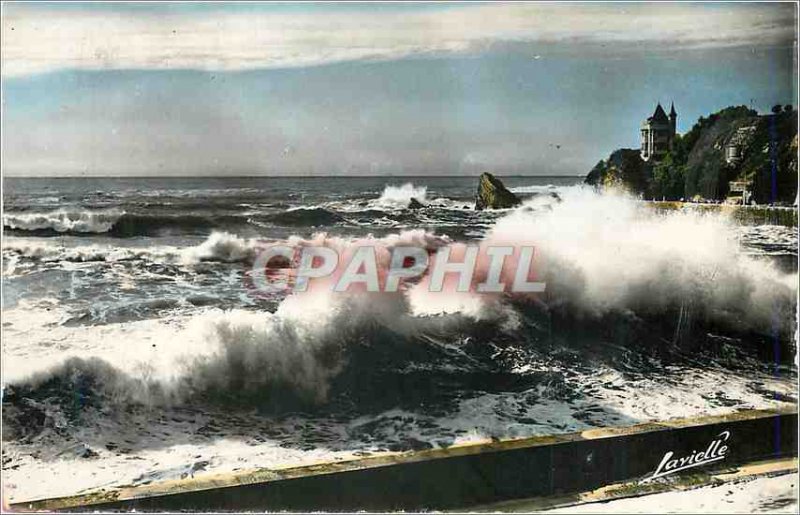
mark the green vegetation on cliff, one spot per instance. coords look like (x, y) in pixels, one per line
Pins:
(697, 165)
(623, 168)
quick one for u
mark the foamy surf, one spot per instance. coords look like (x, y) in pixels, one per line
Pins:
(615, 262)
(63, 220)
(224, 439)
(140, 345)
(400, 196)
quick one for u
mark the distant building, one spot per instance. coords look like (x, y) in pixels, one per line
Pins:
(733, 154)
(738, 142)
(743, 187)
(658, 133)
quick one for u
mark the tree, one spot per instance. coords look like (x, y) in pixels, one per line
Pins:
(787, 108)
(776, 109)
(668, 179)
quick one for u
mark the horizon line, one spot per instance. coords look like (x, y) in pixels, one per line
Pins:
(14, 176)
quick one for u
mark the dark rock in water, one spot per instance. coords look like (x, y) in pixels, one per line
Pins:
(415, 204)
(492, 194)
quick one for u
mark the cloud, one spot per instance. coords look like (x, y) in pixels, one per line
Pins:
(38, 39)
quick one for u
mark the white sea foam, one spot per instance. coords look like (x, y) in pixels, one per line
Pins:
(169, 345)
(221, 246)
(753, 494)
(53, 251)
(218, 246)
(64, 220)
(608, 252)
(400, 196)
(535, 188)
(597, 253)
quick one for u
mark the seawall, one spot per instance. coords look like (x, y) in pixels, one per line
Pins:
(748, 215)
(468, 474)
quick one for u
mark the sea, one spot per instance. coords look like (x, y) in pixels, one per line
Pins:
(135, 348)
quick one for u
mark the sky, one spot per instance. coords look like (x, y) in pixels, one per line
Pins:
(370, 89)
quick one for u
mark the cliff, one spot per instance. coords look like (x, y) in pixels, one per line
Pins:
(624, 169)
(697, 168)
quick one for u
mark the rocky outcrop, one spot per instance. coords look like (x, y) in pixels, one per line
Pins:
(415, 204)
(624, 169)
(492, 194)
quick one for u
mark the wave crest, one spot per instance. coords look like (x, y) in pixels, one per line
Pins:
(605, 253)
(400, 196)
(617, 273)
(113, 223)
(63, 221)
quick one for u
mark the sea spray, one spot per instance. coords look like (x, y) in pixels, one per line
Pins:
(614, 272)
(400, 196)
(604, 253)
(221, 246)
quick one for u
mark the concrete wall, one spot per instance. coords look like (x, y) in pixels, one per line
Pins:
(462, 476)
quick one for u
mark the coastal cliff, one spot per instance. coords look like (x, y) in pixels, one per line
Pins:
(734, 144)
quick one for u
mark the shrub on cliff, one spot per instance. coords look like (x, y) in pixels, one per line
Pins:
(624, 168)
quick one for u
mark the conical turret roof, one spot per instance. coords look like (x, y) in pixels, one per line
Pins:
(659, 115)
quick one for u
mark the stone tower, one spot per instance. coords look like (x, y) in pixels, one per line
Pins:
(658, 132)
(673, 118)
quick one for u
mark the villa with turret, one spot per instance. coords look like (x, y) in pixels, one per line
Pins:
(658, 133)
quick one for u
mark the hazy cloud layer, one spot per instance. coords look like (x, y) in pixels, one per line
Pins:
(216, 88)
(223, 37)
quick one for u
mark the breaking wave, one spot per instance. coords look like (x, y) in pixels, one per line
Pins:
(48, 253)
(619, 276)
(219, 246)
(400, 196)
(605, 253)
(126, 225)
(112, 223)
(63, 221)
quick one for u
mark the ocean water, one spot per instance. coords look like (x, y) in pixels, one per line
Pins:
(135, 349)
(140, 227)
